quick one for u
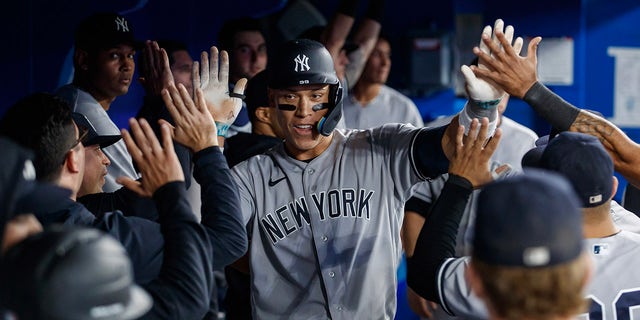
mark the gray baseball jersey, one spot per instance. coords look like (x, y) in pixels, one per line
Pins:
(326, 233)
(389, 106)
(614, 290)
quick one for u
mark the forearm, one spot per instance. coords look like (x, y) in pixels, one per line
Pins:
(428, 153)
(437, 239)
(221, 212)
(558, 112)
(185, 284)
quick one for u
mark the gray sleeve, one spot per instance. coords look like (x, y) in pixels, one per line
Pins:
(456, 297)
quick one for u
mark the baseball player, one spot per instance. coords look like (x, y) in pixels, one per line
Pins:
(324, 208)
(613, 291)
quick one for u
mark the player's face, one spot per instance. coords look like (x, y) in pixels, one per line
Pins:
(248, 56)
(379, 64)
(111, 71)
(181, 69)
(299, 121)
(95, 170)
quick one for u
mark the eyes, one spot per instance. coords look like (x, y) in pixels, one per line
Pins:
(314, 97)
(115, 55)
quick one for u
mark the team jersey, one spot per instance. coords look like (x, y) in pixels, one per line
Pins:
(326, 233)
(614, 290)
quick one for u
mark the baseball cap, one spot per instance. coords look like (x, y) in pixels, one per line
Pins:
(582, 159)
(105, 30)
(71, 273)
(529, 220)
(92, 137)
(256, 92)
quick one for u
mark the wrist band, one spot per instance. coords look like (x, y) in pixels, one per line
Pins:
(486, 104)
(237, 95)
(222, 128)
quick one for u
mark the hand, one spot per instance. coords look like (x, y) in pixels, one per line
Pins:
(419, 305)
(155, 71)
(214, 83)
(473, 153)
(506, 68)
(158, 164)
(478, 89)
(195, 127)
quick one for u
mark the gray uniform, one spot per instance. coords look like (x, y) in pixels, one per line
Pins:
(121, 162)
(614, 289)
(326, 234)
(389, 106)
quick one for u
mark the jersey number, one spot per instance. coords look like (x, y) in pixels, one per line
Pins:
(626, 301)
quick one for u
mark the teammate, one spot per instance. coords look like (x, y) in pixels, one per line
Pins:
(325, 207)
(518, 77)
(245, 41)
(372, 103)
(104, 64)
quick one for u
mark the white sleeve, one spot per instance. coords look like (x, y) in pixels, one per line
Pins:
(456, 297)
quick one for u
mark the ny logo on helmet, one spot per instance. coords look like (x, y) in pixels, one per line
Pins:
(122, 23)
(302, 63)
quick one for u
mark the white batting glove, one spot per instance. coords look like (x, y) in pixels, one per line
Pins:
(214, 82)
(484, 97)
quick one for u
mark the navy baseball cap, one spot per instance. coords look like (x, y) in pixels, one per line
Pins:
(103, 31)
(582, 159)
(92, 137)
(529, 220)
(256, 92)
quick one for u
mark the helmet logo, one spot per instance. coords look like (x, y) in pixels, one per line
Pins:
(302, 63)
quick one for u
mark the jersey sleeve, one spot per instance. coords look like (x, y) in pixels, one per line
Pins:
(456, 296)
(240, 174)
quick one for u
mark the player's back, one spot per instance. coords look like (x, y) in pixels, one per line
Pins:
(615, 286)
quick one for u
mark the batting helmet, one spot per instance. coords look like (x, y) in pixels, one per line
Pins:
(76, 273)
(302, 62)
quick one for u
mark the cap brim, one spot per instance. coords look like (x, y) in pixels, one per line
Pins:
(140, 303)
(103, 141)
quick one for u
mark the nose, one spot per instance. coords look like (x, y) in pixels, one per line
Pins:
(304, 108)
(105, 160)
(127, 64)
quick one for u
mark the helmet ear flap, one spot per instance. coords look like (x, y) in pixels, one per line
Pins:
(331, 119)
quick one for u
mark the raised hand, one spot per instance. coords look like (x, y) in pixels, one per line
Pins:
(194, 125)
(473, 153)
(214, 83)
(158, 164)
(505, 67)
(479, 90)
(155, 71)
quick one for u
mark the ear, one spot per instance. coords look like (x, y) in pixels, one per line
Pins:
(81, 59)
(615, 187)
(72, 161)
(263, 114)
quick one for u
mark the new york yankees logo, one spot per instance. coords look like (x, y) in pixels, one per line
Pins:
(302, 63)
(122, 23)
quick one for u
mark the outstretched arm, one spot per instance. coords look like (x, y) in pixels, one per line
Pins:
(185, 283)
(469, 168)
(518, 76)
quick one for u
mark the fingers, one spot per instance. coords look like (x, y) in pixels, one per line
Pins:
(167, 142)
(493, 143)
(163, 122)
(532, 49)
(223, 77)
(133, 149)
(508, 33)
(186, 98)
(204, 69)
(469, 76)
(240, 86)
(195, 75)
(200, 101)
(497, 28)
(486, 33)
(213, 65)
(517, 45)
(133, 185)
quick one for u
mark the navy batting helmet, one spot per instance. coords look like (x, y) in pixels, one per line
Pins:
(302, 62)
(71, 273)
